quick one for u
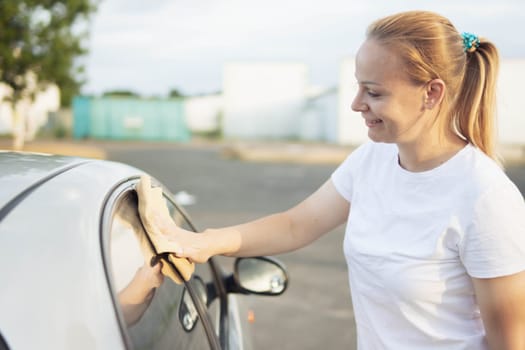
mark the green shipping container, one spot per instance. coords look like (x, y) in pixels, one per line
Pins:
(129, 119)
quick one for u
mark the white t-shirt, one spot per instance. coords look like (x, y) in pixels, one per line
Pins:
(413, 240)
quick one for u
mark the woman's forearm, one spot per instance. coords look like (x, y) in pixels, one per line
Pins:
(270, 235)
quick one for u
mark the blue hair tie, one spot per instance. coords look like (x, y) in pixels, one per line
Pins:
(470, 42)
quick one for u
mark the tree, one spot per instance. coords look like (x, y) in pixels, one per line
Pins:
(120, 93)
(40, 43)
(175, 93)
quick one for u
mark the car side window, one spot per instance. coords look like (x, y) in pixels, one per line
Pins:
(158, 318)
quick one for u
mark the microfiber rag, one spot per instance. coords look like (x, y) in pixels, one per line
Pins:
(153, 204)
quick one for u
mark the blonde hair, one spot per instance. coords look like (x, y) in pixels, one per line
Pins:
(432, 48)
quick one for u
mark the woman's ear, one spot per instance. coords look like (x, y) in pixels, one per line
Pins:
(435, 92)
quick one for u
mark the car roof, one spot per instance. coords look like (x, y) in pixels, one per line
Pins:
(23, 171)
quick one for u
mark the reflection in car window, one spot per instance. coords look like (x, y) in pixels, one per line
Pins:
(151, 322)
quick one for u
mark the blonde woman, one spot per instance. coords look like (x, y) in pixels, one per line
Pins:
(435, 236)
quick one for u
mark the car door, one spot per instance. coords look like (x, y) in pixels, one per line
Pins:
(173, 316)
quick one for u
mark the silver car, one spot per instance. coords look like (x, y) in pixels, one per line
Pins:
(68, 248)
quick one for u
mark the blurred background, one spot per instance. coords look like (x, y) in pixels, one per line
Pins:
(170, 70)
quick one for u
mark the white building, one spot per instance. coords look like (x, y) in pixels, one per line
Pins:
(318, 118)
(31, 113)
(511, 114)
(203, 114)
(264, 100)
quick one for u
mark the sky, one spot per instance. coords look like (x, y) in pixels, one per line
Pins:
(151, 47)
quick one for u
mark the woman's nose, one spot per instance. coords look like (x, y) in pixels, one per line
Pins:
(358, 105)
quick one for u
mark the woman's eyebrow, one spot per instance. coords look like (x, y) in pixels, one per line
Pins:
(367, 82)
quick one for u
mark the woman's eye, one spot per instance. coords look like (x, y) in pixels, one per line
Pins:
(372, 94)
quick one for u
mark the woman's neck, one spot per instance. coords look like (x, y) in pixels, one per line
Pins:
(429, 153)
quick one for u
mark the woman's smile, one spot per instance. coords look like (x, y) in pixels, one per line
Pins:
(372, 123)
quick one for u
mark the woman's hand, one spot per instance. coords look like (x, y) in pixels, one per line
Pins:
(197, 247)
(154, 213)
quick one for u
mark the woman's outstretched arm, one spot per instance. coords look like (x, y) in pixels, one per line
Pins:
(282, 232)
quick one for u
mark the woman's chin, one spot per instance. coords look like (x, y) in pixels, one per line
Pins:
(375, 136)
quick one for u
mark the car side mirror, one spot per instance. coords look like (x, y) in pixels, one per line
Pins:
(260, 275)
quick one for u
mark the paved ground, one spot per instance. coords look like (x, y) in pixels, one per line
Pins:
(64, 147)
(283, 152)
(304, 153)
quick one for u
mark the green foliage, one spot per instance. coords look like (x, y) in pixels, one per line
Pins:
(120, 93)
(44, 37)
(175, 93)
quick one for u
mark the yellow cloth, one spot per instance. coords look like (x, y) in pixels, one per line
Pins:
(152, 204)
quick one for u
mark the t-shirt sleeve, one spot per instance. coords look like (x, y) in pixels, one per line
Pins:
(494, 242)
(344, 176)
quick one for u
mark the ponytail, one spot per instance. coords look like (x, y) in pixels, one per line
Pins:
(475, 105)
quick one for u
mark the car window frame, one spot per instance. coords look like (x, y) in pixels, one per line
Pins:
(108, 210)
(218, 278)
(3, 343)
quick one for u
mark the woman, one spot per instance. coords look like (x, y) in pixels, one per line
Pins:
(435, 237)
